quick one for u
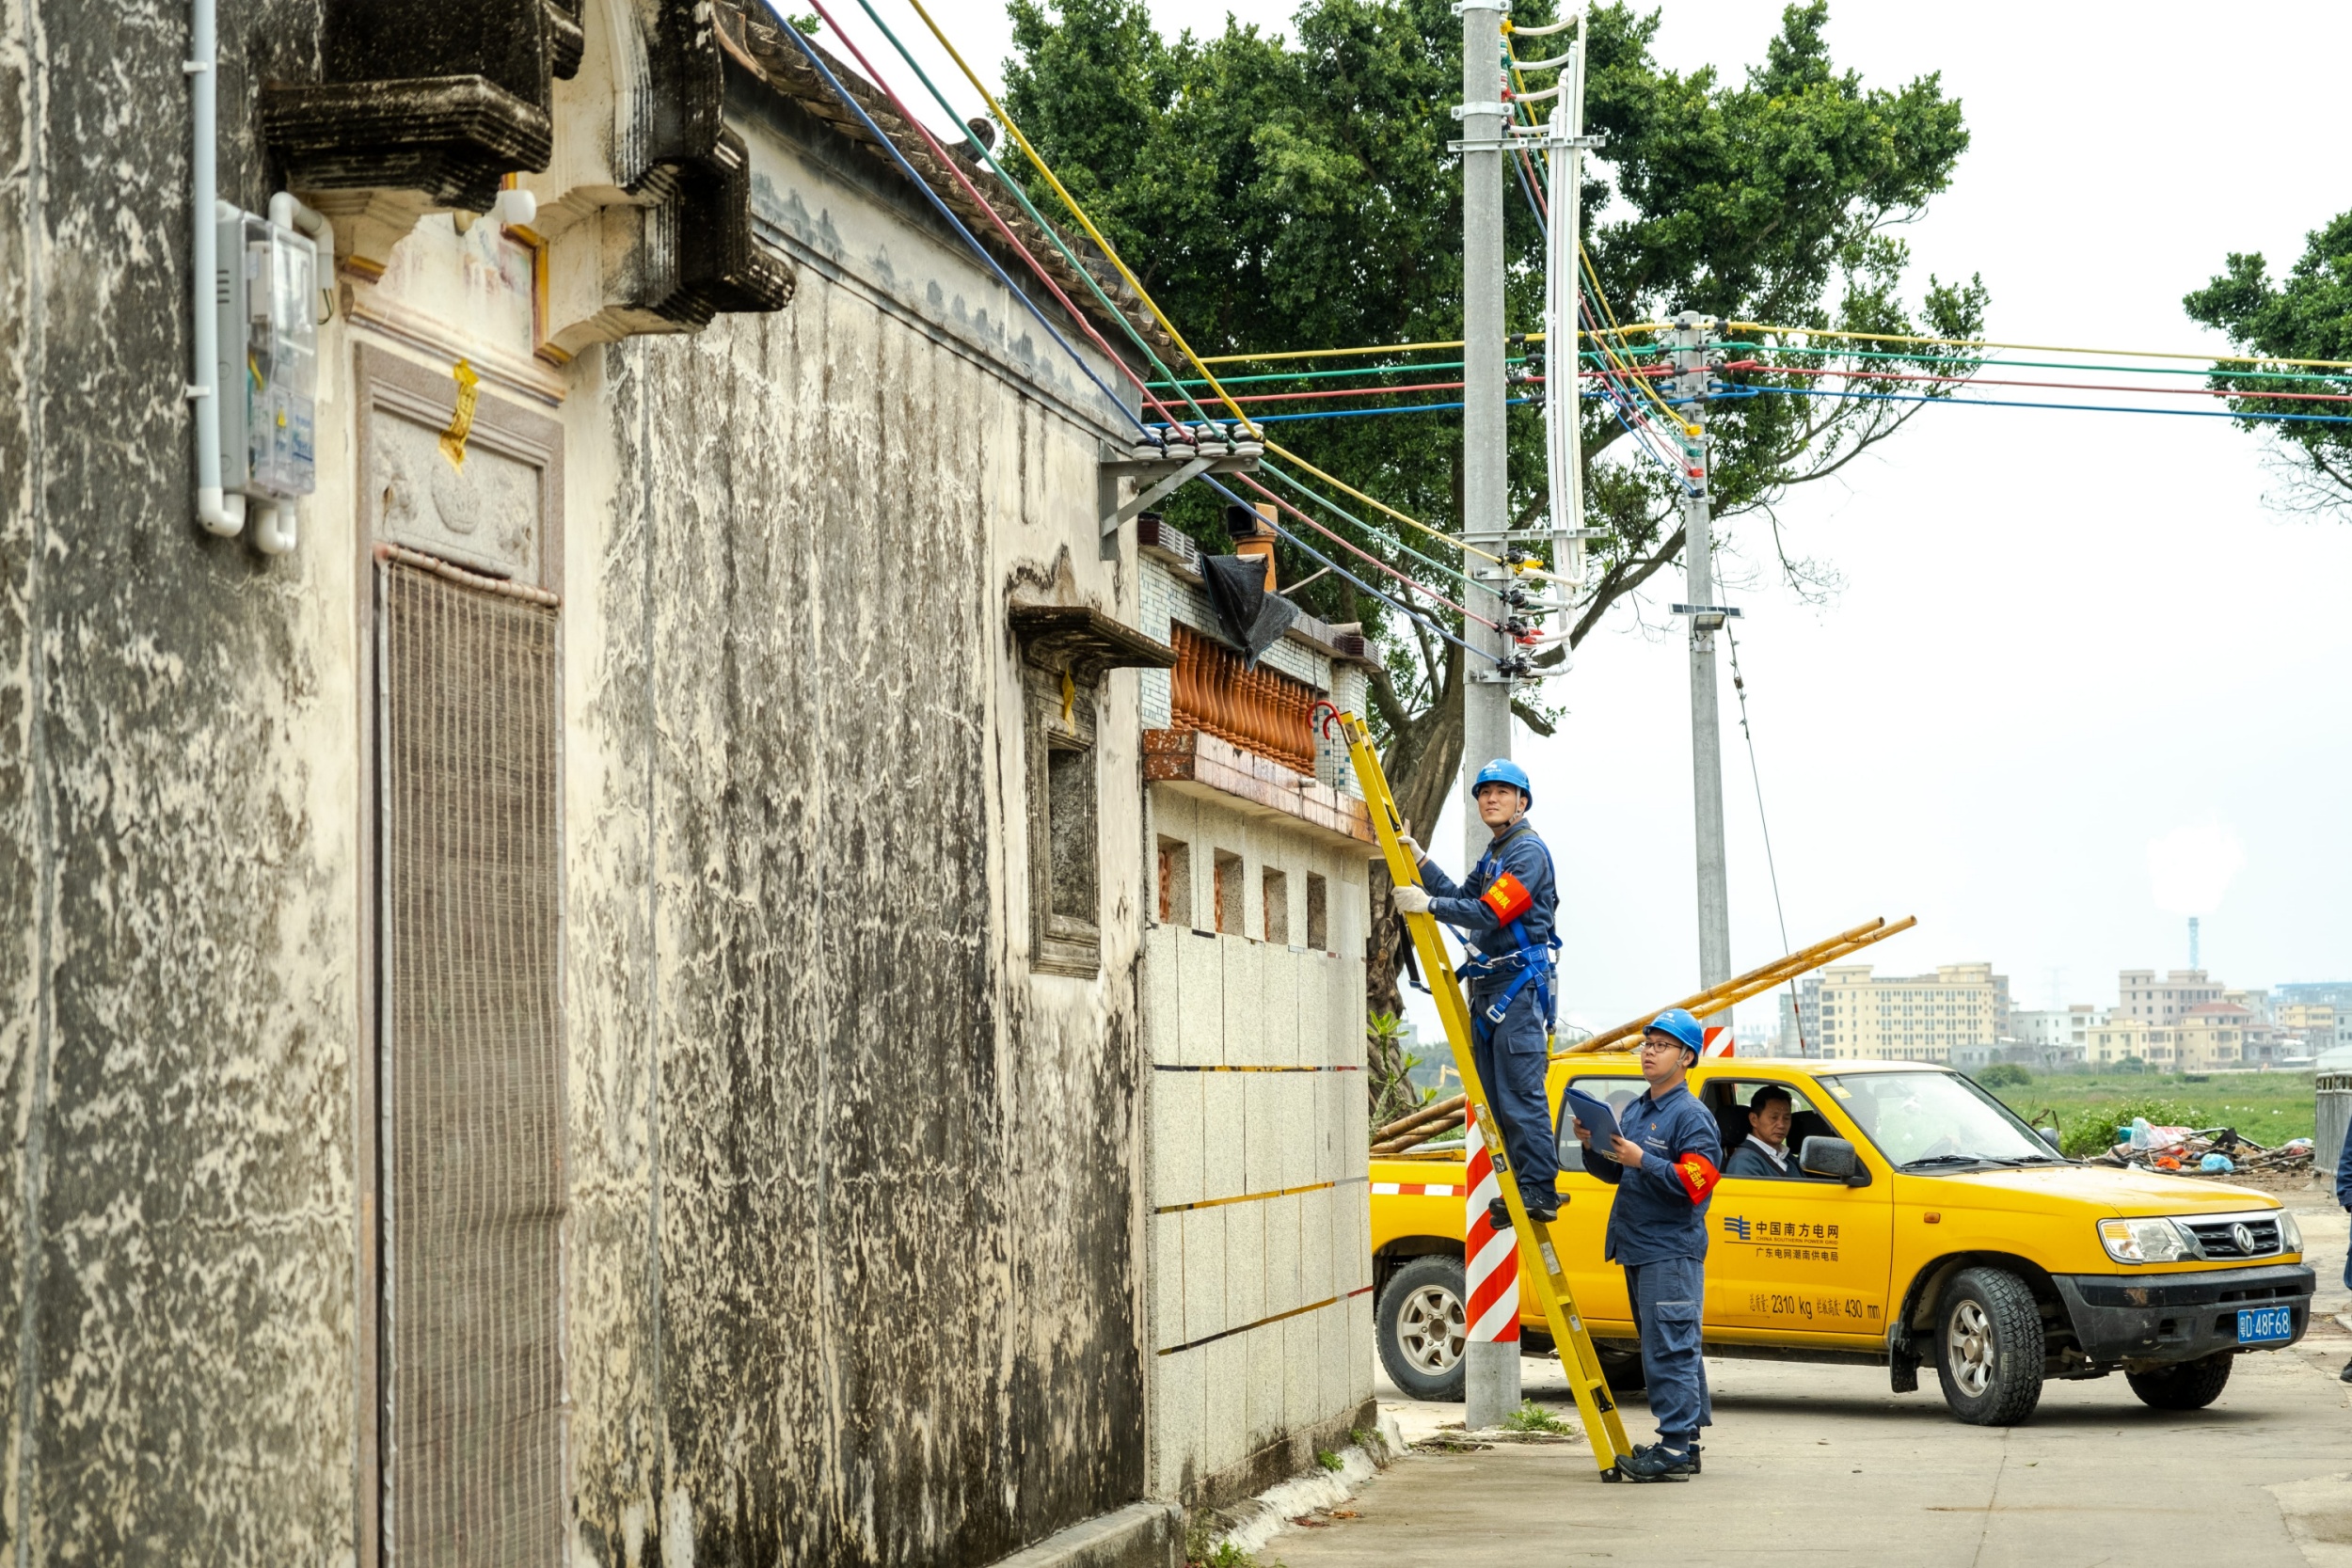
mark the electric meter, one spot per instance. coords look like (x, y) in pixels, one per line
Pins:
(269, 347)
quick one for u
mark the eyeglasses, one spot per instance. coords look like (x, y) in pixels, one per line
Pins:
(1661, 1045)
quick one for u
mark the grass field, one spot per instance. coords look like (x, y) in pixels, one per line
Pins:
(2267, 1107)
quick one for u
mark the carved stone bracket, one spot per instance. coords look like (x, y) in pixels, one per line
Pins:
(1083, 642)
(428, 106)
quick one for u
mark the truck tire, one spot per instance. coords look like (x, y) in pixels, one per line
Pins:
(1421, 1327)
(1988, 1348)
(1623, 1369)
(2190, 1385)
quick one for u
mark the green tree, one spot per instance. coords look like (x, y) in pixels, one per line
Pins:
(1281, 194)
(2306, 316)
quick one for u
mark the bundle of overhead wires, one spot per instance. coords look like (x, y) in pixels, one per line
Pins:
(1626, 372)
(1172, 403)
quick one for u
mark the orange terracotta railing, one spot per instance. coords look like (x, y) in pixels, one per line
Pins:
(1267, 713)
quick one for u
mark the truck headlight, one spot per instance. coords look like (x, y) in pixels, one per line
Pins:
(2144, 1241)
(2290, 1233)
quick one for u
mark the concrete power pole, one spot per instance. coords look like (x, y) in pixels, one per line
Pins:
(1485, 482)
(1490, 1368)
(1694, 341)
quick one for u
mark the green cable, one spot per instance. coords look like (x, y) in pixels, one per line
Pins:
(1035, 216)
(1594, 355)
(2028, 364)
(1328, 504)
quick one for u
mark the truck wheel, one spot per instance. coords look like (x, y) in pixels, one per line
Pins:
(1420, 1329)
(2190, 1385)
(1988, 1348)
(1623, 1370)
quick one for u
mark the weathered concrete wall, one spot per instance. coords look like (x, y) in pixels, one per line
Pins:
(851, 1252)
(178, 879)
(861, 1287)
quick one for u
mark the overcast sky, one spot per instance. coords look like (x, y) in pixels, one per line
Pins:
(2078, 670)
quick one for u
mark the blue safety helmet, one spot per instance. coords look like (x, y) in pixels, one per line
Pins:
(1503, 770)
(1678, 1024)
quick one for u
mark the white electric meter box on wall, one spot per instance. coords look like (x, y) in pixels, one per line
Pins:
(268, 371)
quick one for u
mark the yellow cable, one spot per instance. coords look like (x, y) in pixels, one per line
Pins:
(1624, 367)
(2045, 348)
(1109, 252)
(1324, 353)
(1287, 455)
(1170, 327)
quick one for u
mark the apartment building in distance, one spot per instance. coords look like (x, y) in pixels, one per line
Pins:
(2139, 994)
(2054, 1037)
(1801, 1017)
(2320, 1025)
(1920, 1018)
(2118, 1039)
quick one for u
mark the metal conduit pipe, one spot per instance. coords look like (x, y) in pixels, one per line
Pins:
(219, 514)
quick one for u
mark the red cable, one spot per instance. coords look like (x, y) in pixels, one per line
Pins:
(1368, 560)
(2057, 385)
(969, 189)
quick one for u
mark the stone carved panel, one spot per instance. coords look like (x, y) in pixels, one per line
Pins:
(495, 511)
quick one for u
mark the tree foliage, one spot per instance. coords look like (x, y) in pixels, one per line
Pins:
(2307, 315)
(1279, 195)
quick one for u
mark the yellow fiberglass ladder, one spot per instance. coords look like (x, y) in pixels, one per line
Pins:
(1592, 1399)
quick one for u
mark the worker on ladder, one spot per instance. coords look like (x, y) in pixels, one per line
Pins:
(1508, 906)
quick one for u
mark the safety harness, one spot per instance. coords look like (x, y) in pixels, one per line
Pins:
(1508, 897)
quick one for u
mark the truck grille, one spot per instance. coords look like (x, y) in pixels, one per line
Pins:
(2236, 1235)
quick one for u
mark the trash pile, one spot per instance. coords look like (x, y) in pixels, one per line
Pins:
(2202, 1151)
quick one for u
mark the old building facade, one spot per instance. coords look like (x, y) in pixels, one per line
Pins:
(591, 1009)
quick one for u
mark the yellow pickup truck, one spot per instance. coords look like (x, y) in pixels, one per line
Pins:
(1930, 1225)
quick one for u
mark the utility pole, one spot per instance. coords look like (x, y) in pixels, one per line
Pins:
(1490, 1368)
(1485, 482)
(1694, 343)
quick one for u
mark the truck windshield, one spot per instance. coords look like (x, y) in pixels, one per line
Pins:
(1936, 1118)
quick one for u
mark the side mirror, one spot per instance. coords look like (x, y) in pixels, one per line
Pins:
(2050, 1136)
(1833, 1157)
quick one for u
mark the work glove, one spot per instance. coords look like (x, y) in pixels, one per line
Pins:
(1412, 900)
(1412, 844)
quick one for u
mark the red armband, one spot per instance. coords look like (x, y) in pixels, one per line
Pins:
(1698, 1174)
(1508, 897)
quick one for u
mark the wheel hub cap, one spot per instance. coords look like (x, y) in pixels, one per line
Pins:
(1430, 1330)
(1969, 1349)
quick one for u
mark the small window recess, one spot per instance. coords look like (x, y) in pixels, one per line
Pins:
(1318, 913)
(1228, 893)
(1277, 890)
(1175, 891)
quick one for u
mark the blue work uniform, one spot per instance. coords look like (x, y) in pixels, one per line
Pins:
(2343, 1195)
(1513, 970)
(1657, 1231)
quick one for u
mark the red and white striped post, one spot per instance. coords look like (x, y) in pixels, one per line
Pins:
(1716, 1040)
(1490, 1355)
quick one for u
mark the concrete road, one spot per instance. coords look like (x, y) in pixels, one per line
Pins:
(1822, 1465)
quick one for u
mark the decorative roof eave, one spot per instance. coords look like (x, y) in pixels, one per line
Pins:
(760, 47)
(1085, 641)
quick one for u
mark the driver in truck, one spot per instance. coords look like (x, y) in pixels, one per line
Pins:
(1765, 1151)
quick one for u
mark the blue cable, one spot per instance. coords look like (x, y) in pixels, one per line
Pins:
(923, 186)
(2012, 403)
(1404, 609)
(1360, 413)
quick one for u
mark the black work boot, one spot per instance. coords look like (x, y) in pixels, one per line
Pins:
(2345, 1375)
(1657, 1462)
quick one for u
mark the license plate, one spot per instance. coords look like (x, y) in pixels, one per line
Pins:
(2266, 1325)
